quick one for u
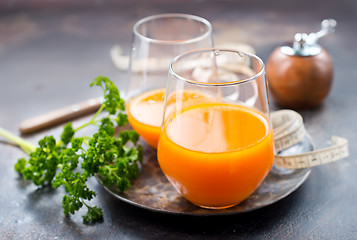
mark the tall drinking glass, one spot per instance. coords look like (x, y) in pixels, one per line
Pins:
(216, 143)
(156, 40)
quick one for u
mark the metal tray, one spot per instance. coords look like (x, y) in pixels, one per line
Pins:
(152, 191)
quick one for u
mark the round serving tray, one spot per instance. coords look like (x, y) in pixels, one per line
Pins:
(152, 191)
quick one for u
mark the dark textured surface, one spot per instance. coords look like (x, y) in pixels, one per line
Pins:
(50, 53)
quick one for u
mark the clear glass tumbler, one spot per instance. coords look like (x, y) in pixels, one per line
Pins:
(156, 40)
(216, 143)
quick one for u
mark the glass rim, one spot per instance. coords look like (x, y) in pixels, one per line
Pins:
(169, 15)
(258, 73)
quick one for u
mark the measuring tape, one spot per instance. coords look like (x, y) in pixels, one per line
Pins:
(288, 128)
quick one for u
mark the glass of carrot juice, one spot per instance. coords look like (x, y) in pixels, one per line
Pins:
(156, 40)
(216, 142)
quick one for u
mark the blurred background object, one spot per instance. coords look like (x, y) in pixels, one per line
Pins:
(300, 73)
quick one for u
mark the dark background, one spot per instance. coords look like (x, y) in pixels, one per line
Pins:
(51, 50)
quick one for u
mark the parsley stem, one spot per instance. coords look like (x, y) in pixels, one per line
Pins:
(92, 121)
(81, 199)
(24, 145)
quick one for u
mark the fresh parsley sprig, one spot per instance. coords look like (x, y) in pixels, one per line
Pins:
(70, 161)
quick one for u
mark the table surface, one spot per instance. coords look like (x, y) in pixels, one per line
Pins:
(49, 52)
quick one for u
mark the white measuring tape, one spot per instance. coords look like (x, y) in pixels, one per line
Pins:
(289, 129)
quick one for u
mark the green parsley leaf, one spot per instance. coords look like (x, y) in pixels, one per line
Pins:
(70, 161)
(67, 133)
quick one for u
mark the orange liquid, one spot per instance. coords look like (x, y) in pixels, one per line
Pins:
(145, 112)
(216, 154)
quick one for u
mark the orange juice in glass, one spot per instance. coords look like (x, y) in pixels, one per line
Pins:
(217, 149)
(145, 112)
(156, 40)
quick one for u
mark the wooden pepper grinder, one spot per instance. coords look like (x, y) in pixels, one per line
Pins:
(300, 76)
